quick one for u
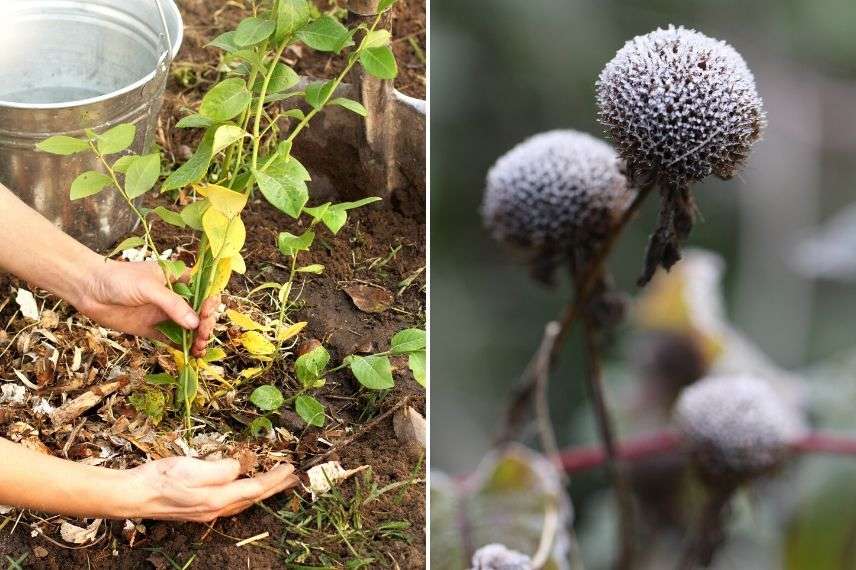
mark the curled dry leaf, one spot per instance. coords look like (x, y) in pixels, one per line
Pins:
(27, 304)
(72, 409)
(370, 298)
(323, 477)
(409, 427)
(77, 535)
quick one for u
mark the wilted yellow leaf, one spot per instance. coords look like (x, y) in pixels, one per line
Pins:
(177, 356)
(251, 372)
(226, 236)
(243, 321)
(256, 343)
(238, 264)
(221, 277)
(285, 333)
(226, 201)
(214, 354)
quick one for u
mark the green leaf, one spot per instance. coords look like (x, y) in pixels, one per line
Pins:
(252, 31)
(123, 163)
(385, 5)
(194, 121)
(317, 93)
(161, 379)
(89, 183)
(150, 403)
(310, 367)
(407, 340)
(334, 216)
(116, 139)
(416, 360)
(142, 174)
(350, 105)
(171, 330)
(225, 41)
(267, 398)
(260, 425)
(325, 34)
(379, 62)
(291, 15)
(170, 217)
(289, 244)
(287, 194)
(188, 385)
(192, 214)
(282, 78)
(127, 243)
(63, 145)
(183, 290)
(376, 38)
(174, 269)
(215, 354)
(195, 168)
(225, 100)
(373, 372)
(225, 135)
(310, 409)
(315, 268)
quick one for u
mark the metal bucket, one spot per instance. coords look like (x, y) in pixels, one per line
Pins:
(71, 65)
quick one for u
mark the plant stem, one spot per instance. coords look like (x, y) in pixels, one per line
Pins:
(606, 429)
(523, 392)
(546, 433)
(257, 125)
(643, 448)
(709, 535)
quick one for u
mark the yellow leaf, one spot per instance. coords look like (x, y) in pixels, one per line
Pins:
(285, 333)
(214, 354)
(251, 372)
(243, 321)
(238, 264)
(220, 278)
(226, 201)
(225, 236)
(177, 356)
(256, 343)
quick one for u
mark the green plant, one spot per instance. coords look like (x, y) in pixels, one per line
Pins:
(375, 370)
(241, 150)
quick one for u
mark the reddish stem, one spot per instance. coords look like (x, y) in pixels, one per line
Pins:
(577, 459)
(826, 443)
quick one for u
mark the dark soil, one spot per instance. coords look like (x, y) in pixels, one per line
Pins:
(361, 252)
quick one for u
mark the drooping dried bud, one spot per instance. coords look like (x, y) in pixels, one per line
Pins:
(679, 107)
(555, 196)
(498, 557)
(737, 426)
(680, 104)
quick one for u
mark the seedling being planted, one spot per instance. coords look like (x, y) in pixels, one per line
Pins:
(240, 151)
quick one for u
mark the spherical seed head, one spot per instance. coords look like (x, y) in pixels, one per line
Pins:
(555, 192)
(737, 426)
(498, 557)
(680, 104)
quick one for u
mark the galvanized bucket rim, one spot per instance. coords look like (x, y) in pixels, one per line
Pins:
(176, 46)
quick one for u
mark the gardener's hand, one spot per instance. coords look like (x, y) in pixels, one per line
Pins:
(182, 488)
(133, 298)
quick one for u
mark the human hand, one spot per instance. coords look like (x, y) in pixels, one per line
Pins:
(133, 298)
(187, 489)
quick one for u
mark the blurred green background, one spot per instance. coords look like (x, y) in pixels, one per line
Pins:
(503, 70)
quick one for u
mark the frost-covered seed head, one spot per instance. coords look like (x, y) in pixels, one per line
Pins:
(680, 104)
(737, 426)
(555, 192)
(498, 557)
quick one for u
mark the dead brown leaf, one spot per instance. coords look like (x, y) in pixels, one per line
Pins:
(370, 298)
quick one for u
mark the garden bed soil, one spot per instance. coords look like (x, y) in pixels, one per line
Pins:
(383, 245)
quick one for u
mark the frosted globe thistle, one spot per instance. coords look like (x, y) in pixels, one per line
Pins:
(554, 196)
(680, 104)
(737, 426)
(679, 107)
(498, 557)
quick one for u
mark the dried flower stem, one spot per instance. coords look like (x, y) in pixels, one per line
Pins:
(709, 535)
(585, 458)
(606, 429)
(522, 394)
